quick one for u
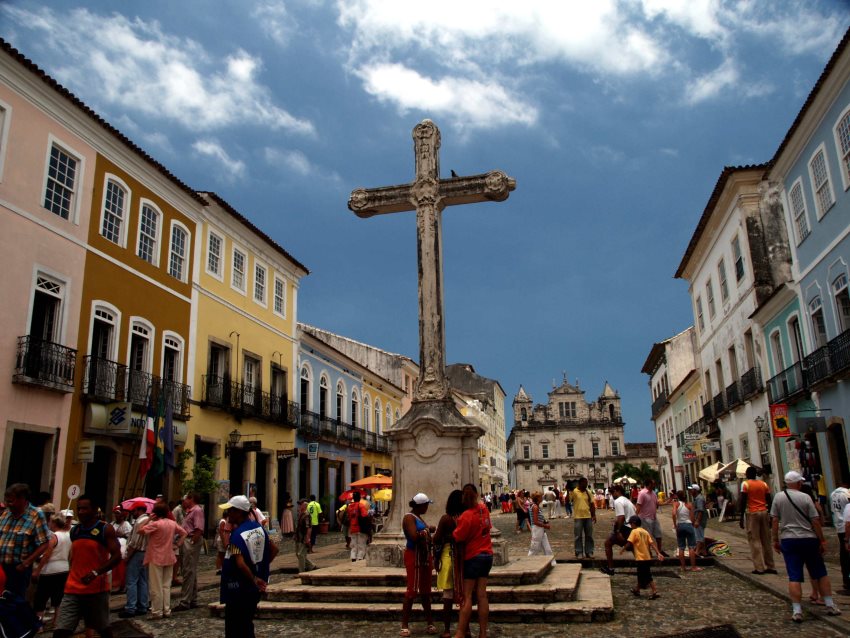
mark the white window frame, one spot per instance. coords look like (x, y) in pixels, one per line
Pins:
(175, 224)
(180, 344)
(157, 249)
(736, 242)
(244, 289)
(801, 216)
(128, 198)
(709, 298)
(40, 272)
(116, 323)
(723, 280)
(388, 418)
(282, 281)
(843, 156)
(837, 288)
(341, 391)
(571, 449)
(147, 325)
(814, 306)
(377, 414)
(820, 211)
(221, 255)
(544, 450)
(699, 313)
(615, 448)
(258, 265)
(74, 212)
(5, 123)
(776, 350)
(367, 412)
(355, 407)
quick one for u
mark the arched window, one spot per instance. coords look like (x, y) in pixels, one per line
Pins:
(172, 357)
(179, 252)
(340, 401)
(523, 415)
(389, 420)
(818, 323)
(377, 415)
(115, 201)
(324, 393)
(397, 416)
(147, 247)
(367, 418)
(306, 378)
(842, 302)
(355, 407)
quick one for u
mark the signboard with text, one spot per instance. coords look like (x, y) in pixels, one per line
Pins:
(711, 446)
(689, 456)
(312, 451)
(779, 420)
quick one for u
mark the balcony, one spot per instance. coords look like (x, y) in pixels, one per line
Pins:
(659, 404)
(751, 383)
(817, 366)
(708, 413)
(45, 364)
(839, 352)
(733, 396)
(247, 401)
(104, 380)
(787, 384)
(718, 404)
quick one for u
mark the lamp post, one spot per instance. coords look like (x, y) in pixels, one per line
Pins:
(234, 437)
(763, 429)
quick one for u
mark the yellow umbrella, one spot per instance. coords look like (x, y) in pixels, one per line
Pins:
(385, 494)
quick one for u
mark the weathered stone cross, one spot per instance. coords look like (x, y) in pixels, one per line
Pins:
(428, 195)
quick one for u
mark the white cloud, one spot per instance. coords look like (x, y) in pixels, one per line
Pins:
(136, 65)
(479, 104)
(712, 84)
(273, 19)
(670, 152)
(233, 168)
(297, 162)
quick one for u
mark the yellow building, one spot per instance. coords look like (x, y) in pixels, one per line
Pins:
(245, 349)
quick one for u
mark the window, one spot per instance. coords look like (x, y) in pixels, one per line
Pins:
(571, 449)
(260, 284)
(700, 319)
(215, 246)
(139, 364)
(305, 393)
(798, 211)
(324, 386)
(615, 448)
(237, 277)
(738, 258)
(526, 451)
(595, 447)
(730, 451)
(112, 220)
(340, 401)
(171, 359)
(378, 416)
(544, 450)
(367, 409)
(279, 296)
(177, 256)
(818, 323)
(567, 409)
(776, 350)
(819, 173)
(523, 415)
(842, 139)
(355, 408)
(251, 383)
(5, 117)
(389, 419)
(148, 234)
(709, 297)
(45, 322)
(796, 337)
(842, 302)
(61, 184)
(721, 275)
(745, 447)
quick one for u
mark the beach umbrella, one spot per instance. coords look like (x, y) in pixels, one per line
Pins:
(712, 472)
(149, 503)
(625, 479)
(738, 468)
(385, 494)
(376, 480)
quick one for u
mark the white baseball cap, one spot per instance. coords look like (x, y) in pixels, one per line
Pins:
(793, 477)
(421, 499)
(694, 487)
(239, 502)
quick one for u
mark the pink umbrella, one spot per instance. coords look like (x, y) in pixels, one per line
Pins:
(130, 502)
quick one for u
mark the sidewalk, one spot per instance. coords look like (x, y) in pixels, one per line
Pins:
(740, 564)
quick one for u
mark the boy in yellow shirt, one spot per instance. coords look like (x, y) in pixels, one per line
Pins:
(642, 544)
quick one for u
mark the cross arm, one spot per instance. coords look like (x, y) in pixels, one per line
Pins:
(367, 202)
(494, 186)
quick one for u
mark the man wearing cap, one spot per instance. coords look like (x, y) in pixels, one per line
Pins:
(136, 579)
(798, 534)
(755, 501)
(303, 527)
(194, 525)
(700, 517)
(245, 570)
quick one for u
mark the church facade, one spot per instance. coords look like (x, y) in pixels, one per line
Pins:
(566, 438)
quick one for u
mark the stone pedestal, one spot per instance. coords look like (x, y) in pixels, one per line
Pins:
(435, 451)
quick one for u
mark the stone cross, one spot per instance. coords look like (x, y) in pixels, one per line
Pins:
(428, 195)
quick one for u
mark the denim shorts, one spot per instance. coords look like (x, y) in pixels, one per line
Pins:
(802, 551)
(685, 533)
(477, 566)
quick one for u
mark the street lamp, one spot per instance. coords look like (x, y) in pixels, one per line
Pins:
(234, 438)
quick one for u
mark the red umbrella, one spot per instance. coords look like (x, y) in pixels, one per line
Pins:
(148, 502)
(349, 494)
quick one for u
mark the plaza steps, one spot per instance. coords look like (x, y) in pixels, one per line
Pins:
(526, 589)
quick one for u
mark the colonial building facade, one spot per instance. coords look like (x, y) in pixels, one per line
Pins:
(566, 438)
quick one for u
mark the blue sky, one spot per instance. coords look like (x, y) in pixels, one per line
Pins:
(615, 118)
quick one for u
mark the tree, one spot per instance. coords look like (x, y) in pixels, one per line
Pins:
(646, 471)
(624, 469)
(202, 479)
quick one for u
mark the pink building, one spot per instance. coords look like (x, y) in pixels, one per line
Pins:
(46, 181)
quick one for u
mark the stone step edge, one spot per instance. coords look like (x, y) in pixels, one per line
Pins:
(519, 594)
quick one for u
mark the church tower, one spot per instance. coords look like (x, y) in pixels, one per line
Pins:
(522, 405)
(609, 404)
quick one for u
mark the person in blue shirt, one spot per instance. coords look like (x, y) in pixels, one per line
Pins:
(245, 570)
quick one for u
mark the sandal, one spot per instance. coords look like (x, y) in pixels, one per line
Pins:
(404, 633)
(635, 592)
(816, 601)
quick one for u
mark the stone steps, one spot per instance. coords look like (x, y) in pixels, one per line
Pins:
(559, 585)
(593, 602)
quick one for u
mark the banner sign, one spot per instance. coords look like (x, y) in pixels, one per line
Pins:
(689, 456)
(711, 446)
(779, 420)
(286, 454)
(692, 436)
(119, 420)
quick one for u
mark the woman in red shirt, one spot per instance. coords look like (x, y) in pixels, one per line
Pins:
(473, 531)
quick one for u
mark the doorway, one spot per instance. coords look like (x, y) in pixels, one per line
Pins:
(100, 478)
(31, 461)
(283, 487)
(261, 480)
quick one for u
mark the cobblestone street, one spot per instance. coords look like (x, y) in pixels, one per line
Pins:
(688, 602)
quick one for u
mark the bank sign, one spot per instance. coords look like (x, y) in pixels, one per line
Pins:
(119, 419)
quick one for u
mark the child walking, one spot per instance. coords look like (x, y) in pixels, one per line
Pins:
(642, 544)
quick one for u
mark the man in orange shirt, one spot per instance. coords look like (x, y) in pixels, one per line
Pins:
(755, 501)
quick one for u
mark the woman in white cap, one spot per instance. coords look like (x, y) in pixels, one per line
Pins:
(417, 562)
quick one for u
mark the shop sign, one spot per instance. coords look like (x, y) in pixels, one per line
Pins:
(312, 451)
(678, 469)
(119, 420)
(286, 454)
(85, 451)
(792, 454)
(779, 420)
(252, 446)
(711, 446)
(692, 436)
(689, 456)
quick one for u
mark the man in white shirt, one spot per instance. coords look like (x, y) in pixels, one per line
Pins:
(838, 502)
(623, 511)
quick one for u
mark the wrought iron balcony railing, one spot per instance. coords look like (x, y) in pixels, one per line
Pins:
(248, 401)
(751, 383)
(817, 365)
(787, 383)
(839, 352)
(659, 404)
(45, 364)
(708, 412)
(104, 380)
(719, 405)
(733, 395)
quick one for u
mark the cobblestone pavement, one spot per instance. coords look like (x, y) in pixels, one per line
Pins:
(690, 601)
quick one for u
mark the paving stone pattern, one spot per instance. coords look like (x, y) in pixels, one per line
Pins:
(726, 593)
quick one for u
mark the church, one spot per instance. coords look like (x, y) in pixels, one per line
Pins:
(567, 438)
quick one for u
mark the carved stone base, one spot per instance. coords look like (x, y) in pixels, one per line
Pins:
(387, 550)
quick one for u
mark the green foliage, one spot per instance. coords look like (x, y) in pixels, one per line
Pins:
(625, 469)
(640, 474)
(202, 479)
